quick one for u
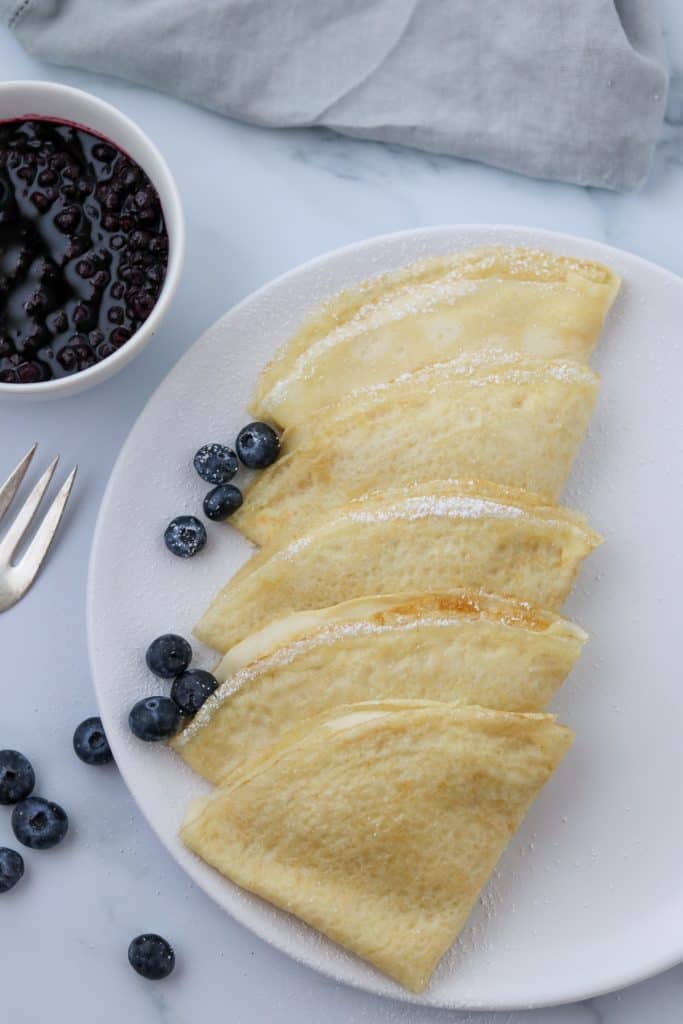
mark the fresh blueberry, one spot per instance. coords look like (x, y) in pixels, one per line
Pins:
(222, 501)
(11, 868)
(191, 689)
(16, 777)
(216, 463)
(39, 824)
(90, 742)
(151, 956)
(185, 536)
(257, 445)
(168, 655)
(154, 719)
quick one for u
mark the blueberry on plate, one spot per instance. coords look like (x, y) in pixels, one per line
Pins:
(39, 824)
(222, 501)
(154, 719)
(216, 463)
(11, 868)
(257, 445)
(91, 743)
(16, 777)
(168, 655)
(191, 689)
(151, 956)
(185, 536)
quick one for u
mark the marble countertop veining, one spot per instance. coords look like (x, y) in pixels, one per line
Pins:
(257, 203)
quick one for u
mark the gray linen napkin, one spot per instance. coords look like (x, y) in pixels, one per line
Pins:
(565, 89)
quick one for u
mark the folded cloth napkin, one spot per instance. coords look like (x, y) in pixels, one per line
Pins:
(565, 89)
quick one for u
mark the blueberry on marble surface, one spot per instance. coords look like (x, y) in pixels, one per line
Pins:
(216, 463)
(39, 824)
(185, 536)
(154, 719)
(191, 689)
(11, 868)
(168, 655)
(90, 742)
(222, 501)
(151, 956)
(257, 445)
(16, 777)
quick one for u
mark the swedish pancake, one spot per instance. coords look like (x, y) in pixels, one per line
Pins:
(460, 646)
(378, 824)
(502, 417)
(433, 536)
(516, 299)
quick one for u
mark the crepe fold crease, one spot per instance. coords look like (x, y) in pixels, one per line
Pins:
(379, 823)
(460, 646)
(513, 420)
(434, 536)
(510, 299)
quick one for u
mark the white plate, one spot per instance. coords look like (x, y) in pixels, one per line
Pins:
(588, 897)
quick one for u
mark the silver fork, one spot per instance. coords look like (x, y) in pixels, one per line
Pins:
(15, 580)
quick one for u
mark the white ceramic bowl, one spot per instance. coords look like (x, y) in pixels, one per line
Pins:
(47, 99)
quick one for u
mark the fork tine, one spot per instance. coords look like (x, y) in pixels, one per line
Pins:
(25, 515)
(13, 481)
(38, 548)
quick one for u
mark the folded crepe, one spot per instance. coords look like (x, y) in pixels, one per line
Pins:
(460, 646)
(494, 416)
(434, 536)
(516, 299)
(378, 824)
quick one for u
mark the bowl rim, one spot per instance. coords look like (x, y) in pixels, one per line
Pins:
(163, 179)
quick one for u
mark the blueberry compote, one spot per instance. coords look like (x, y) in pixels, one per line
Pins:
(83, 249)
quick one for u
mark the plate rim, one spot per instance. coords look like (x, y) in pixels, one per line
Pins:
(192, 866)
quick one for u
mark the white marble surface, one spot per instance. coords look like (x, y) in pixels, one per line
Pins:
(257, 203)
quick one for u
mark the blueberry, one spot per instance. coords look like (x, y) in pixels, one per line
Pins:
(84, 268)
(31, 373)
(16, 777)
(90, 742)
(154, 719)
(257, 445)
(39, 824)
(119, 336)
(101, 151)
(216, 463)
(222, 501)
(101, 279)
(168, 655)
(191, 689)
(11, 868)
(151, 956)
(185, 536)
(68, 220)
(143, 306)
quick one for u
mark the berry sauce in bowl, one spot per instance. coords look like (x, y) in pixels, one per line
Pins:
(89, 255)
(83, 249)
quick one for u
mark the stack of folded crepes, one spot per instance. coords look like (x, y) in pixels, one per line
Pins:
(378, 733)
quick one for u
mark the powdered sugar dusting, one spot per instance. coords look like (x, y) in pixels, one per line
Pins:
(470, 368)
(427, 506)
(406, 295)
(296, 546)
(410, 301)
(290, 652)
